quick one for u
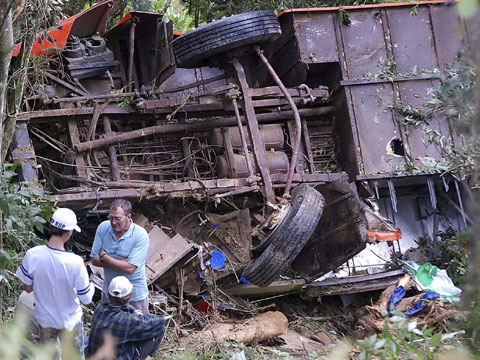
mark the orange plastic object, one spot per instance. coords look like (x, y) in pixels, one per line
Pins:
(384, 235)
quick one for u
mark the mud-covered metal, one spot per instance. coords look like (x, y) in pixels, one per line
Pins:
(386, 55)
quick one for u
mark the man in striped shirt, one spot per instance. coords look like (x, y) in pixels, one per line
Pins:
(59, 280)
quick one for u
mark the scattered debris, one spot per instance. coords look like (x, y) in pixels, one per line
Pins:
(297, 344)
(392, 300)
(256, 176)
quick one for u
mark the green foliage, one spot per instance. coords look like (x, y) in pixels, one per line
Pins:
(472, 325)
(401, 339)
(219, 8)
(455, 100)
(414, 10)
(14, 343)
(127, 101)
(467, 8)
(454, 256)
(178, 14)
(24, 211)
(343, 17)
(140, 5)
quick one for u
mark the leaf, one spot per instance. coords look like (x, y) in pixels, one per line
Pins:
(414, 10)
(4, 259)
(396, 319)
(38, 227)
(363, 343)
(343, 17)
(412, 325)
(436, 339)
(467, 8)
(379, 344)
(394, 346)
(418, 332)
(363, 355)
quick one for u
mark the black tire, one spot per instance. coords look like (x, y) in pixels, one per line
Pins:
(257, 250)
(192, 48)
(289, 237)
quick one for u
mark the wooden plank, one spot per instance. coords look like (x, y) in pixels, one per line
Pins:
(276, 287)
(158, 238)
(301, 150)
(335, 286)
(353, 288)
(358, 279)
(354, 284)
(308, 146)
(75, 139)
(164, 253)
(112, 154)
(134, 191)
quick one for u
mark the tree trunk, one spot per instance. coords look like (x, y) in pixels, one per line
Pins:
(6, 49)
(256, 329)
(17, 86)
(5, 6)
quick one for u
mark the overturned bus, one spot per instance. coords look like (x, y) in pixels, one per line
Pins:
(271, 139)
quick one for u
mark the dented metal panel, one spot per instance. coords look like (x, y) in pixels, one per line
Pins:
(364, 44)
(390, 56)
(315, 37)
(376, 127)
(447, 30)
(412, 40)
(339, 234)
(415, 93)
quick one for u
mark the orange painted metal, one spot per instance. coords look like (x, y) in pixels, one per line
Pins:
(369, 6)
(384, 235)
(56, 38)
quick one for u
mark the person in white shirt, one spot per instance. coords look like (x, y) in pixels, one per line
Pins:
(59, 281)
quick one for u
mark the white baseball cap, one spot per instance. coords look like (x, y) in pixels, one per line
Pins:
(120, 287)
(64, 219)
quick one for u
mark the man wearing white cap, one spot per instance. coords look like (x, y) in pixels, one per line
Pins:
(58, 279)
(137, 336)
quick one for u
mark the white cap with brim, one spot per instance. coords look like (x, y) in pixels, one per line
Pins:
(64, 219)
(120, 287)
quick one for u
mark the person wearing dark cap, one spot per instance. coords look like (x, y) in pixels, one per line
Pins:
(137, 336)
(59, 280)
